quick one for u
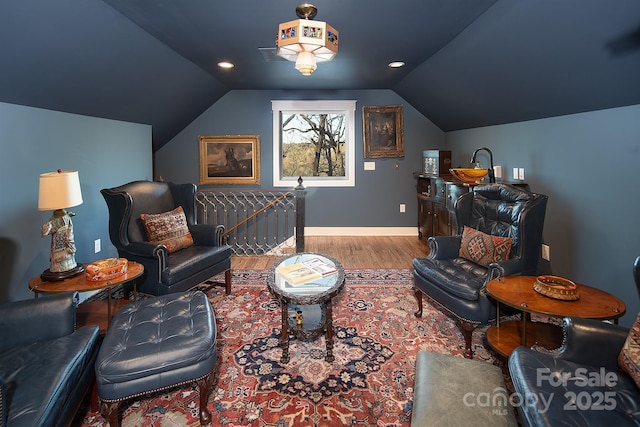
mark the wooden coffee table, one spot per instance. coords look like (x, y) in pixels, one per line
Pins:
(306, 310)
(91, 312)
(518, 292)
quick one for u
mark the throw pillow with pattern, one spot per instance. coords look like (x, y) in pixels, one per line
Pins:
(629, 357)
(169, 229)
(482, 248)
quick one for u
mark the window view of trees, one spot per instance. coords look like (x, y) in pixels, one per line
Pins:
(313, 145)
(314, 140)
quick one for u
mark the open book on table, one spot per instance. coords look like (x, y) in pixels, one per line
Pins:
(305, 271)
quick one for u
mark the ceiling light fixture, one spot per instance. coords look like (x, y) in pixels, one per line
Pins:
(396, 64)
(305, 41)
(225, 64)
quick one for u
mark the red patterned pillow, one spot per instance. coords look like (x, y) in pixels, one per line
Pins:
(629, 357)
(483, 249)
(168, 228)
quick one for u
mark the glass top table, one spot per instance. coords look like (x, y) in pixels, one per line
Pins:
(305, 297)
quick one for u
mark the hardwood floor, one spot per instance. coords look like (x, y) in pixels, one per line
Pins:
(352, 251)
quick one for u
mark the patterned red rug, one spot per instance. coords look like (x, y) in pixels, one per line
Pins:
(370, 383)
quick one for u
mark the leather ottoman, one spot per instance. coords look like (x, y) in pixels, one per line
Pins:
(155, 344)
(454, 391)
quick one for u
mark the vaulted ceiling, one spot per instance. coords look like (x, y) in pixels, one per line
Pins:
(469, 63)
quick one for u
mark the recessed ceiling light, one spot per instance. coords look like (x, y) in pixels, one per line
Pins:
(396, 64)
(225, 64)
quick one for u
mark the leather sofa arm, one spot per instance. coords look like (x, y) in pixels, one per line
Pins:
(590, 342)
(207, 235)
(444, 247)
(509, 267)
(146, 250)
(39, 319)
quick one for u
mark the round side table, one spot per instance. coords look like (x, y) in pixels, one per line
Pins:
(306, 307)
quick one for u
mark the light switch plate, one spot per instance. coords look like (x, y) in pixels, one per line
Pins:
(369, 166)
(497, 171)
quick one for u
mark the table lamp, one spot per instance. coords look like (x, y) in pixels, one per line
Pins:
(60, 190)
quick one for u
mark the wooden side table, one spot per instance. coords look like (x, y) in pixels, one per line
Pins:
(93, 312)
(518, 292)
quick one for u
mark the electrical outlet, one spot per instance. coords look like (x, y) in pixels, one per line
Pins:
(96, 246)
(402, 207)
(545, 253)
(521, 173)
(369, 166)
(515, 173)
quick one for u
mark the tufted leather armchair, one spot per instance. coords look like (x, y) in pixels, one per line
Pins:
(46, 366)
(165, 273)
(590, 349)
(458, 285)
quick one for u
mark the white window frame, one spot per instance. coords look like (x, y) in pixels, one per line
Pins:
(347, 107)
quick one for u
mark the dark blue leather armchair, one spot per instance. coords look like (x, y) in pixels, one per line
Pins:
(165, 272)
(458, 285)
(580, 383)
(46, 367)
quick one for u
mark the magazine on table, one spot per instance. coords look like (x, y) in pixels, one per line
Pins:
(320, 266)
(306, 271)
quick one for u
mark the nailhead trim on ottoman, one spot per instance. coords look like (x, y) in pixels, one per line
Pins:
(155, 344)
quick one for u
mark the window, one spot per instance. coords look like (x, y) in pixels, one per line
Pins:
(314, 140)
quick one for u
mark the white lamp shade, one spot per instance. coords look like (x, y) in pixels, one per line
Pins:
(306, 63)
(59, 190)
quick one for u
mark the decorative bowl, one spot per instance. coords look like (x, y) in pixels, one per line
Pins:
(556, 287)
(106, 269)
(469, 175)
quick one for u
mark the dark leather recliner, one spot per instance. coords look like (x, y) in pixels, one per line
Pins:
(579, 383)
(458, 285)
(46, 367)
(165, 272)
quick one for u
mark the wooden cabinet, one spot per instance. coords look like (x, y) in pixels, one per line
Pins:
(437, 197)
(436, 203)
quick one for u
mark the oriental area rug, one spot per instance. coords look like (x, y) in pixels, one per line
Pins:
(370, 383)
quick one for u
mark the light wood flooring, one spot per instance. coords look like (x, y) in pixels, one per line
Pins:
(352, 251)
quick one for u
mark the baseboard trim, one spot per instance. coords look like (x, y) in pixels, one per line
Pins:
(360, 231)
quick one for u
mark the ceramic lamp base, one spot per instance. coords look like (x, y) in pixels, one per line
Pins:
(51, 276)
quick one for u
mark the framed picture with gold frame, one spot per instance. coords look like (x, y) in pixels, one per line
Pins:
(383, 131)
(230, 159)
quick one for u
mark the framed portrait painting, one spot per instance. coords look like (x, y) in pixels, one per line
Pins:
(230, 159)
(383, 131)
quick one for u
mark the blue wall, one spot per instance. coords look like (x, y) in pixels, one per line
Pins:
(375, 200)
(586, 163)
(588, 166)
(106, 153)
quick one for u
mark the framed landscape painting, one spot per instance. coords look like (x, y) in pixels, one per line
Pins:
(383, 131)
(230, 159)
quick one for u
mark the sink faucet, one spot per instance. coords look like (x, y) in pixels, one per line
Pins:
(492, 176)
